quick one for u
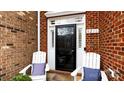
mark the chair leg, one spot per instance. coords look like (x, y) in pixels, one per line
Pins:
(74, 78)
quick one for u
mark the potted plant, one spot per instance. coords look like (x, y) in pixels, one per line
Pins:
(21, 77)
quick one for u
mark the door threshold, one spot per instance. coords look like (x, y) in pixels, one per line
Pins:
(62, 72)
(59, 71)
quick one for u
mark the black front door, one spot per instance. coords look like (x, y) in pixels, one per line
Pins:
(66, 47)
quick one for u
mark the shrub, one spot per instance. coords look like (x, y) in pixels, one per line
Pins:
(21, 77)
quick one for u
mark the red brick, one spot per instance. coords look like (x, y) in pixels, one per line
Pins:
(121, 26)
(117, 48)
(121, 53)
(92, 22)
(17, 31)
(123, 39)
(43, 39)
(118, 23)
(121, 35)
(121, 44)
(110, 39)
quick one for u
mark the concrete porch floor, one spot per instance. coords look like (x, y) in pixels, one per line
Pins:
(57, 75)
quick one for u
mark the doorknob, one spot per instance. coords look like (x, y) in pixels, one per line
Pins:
(72, 51)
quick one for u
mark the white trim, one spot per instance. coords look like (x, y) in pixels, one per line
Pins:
(38, 24)
(80, 22)
(72, 19)
(60, 13)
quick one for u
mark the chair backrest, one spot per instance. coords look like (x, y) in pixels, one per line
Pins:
(91, 60)
(39, 57)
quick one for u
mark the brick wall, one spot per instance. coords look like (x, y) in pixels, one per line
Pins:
(18, 40)
(43, 33)
(112, 41)
(92, 39)
(92, 19)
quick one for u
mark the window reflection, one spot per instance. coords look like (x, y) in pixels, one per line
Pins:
(65, 31)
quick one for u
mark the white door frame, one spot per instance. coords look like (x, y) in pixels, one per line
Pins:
(79, 20)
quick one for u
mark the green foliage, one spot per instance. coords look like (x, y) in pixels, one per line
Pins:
(21, 77)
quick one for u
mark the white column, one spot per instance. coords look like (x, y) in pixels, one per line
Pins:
(38, 24)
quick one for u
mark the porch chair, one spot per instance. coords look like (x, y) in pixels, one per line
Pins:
(90, 61)
(39, 67)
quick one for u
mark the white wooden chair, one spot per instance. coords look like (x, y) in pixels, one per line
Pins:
(90, 60)
(38, 57)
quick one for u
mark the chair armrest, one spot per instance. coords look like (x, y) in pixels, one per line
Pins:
(47, 68)
(74, 73)
(104, 77)
(23, 71)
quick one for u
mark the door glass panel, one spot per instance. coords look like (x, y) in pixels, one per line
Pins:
(66, 47)
(52, 31)
(79, 37)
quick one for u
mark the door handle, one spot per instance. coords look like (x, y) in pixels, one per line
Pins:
(72, 51)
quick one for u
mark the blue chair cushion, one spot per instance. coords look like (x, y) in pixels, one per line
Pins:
(91, 74)
(38, 69)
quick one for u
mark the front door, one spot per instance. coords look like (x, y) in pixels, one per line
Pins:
(66, 47)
